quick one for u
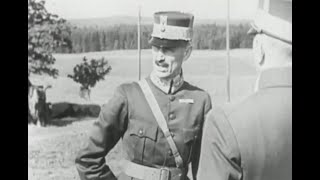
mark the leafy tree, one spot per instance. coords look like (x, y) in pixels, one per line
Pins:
(46, 33)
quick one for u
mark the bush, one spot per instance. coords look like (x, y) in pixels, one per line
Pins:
(88, 74)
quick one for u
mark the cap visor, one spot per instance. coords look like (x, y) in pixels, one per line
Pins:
(154, 41)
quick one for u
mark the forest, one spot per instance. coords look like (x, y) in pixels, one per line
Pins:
(124, 36)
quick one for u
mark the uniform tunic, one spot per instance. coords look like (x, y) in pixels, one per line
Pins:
(253, 140)
(127, 115)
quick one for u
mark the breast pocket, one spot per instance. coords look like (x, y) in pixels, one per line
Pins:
(144, 131)
(142, 138)
(190, 136)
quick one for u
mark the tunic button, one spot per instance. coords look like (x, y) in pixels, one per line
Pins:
(172, 134)
(172, 98)
(140, 132)
(172, 116)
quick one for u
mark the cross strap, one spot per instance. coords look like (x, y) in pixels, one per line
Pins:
(160, 120)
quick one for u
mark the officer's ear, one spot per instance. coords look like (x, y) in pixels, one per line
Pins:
(187, 52)
(258, 50)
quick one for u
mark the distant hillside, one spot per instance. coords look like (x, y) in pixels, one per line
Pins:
(115, 20)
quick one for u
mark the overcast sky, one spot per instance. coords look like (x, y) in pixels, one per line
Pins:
(75, 9)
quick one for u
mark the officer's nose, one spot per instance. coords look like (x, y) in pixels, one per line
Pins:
(160, 56)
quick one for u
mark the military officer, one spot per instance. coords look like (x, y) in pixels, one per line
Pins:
(156, 149)
(253, 140)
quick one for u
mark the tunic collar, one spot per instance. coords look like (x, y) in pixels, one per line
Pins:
(276, 77)
(168, 86)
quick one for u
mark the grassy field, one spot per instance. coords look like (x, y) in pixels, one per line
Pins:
(51, 150)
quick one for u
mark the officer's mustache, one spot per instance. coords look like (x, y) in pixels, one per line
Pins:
(162, 64)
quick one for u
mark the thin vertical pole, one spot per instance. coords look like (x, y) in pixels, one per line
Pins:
(228, 50)
(139, 50)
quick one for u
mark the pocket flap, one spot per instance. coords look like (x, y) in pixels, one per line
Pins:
(144, 131)
(190, 134)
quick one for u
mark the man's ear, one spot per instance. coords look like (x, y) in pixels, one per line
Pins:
(187, 52)
(258, 50)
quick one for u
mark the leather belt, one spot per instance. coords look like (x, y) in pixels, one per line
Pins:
(149, 173)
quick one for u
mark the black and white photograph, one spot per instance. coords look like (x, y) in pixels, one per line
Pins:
(160, 89)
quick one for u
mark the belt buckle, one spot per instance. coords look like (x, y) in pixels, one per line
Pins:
(164, 174)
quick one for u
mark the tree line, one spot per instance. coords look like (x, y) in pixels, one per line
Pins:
(124, 36)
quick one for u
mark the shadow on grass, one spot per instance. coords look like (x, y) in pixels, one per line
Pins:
(61, 122)
(65, 113)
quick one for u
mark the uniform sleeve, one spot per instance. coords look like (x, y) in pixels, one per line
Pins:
(106, 132)
(195, 157)
(197, 145)
(208, 104)
(220, 156)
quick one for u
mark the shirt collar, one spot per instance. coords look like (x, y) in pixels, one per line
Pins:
(165, 85)
(276, 77)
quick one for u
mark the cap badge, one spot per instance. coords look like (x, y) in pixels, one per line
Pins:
(163, 23)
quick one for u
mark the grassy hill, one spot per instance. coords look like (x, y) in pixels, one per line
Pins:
(205, 68)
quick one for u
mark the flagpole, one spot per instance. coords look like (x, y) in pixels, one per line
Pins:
(228, 50)
(139, 49)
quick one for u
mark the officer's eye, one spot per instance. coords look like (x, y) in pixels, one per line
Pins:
(168, 50)
(163, 49)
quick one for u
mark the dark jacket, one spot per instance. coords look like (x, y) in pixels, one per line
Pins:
(253, 140)
(127, 115)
